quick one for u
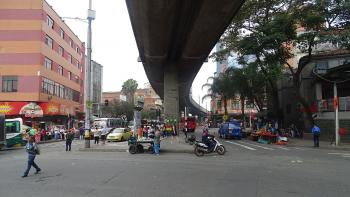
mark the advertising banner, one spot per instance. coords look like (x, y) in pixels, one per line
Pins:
(33, 109)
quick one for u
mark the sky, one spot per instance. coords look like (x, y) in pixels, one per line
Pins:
(114, 45)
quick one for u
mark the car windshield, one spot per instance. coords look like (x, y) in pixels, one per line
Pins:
(118, 130)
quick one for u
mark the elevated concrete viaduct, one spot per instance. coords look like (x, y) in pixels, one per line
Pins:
(174, 37)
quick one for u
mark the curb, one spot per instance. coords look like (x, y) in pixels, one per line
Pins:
(126, 151)
(48, 142)
(321, 147)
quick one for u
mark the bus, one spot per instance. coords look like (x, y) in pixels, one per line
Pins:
(13, 130)
(2, 131)
(108, 123)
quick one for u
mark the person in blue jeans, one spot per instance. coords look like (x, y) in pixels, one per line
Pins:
(31, 149)
(156, 142)
(316, 131)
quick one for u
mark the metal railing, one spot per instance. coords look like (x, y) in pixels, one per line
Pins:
(327, 105)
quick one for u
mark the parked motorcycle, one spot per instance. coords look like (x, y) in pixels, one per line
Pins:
(200, 148)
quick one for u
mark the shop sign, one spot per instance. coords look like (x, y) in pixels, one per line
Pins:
(11, 108)
(31, 110)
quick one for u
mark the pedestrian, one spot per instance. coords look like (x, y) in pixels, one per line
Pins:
(156, 142)
(69, 139)
(104, 133)
(185, 129)
(97, 135)
(316, 131)
(81, 133)
(32, 150)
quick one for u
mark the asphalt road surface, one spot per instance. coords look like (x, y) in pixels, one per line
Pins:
(247, 169)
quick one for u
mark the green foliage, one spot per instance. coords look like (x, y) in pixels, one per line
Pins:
(149, 114)
(129, 88)
(116, 109)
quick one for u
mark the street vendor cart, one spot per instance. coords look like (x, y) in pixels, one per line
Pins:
(137, 145)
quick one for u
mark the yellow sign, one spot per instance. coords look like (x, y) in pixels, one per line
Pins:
(225, 117)
(89, 104)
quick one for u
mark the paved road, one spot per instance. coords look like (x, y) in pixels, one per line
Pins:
(248, 169)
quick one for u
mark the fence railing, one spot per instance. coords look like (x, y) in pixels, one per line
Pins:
(327, 105)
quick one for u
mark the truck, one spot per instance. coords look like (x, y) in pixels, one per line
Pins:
(2, 131)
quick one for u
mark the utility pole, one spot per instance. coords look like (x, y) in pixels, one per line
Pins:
(91, 16)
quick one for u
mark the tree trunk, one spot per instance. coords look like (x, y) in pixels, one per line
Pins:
(225, 105)
(307, 109)
(242, 110)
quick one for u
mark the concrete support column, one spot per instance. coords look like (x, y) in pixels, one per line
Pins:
(171, 93)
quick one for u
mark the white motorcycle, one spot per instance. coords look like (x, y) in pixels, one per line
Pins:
(200, 148)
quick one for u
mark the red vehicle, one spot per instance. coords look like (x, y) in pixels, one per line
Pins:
(191, 124)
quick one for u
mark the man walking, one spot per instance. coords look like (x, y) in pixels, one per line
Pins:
(81, 133)
(69, 140)
(32, 151)
(316, 131)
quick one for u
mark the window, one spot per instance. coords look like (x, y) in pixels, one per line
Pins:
(69, 75)
(77, 49)
(9, 84)
(60, 70)
(218, 104)
(77, 64)
(48, 86)
(235, 104)
(321, 67)
(57, 89)
(48, 63)
(48, 41)
(70, 42)
(69, 58)
(60, 51)
(249, 104)
(61, 91)
(62, 33)
(50, 22)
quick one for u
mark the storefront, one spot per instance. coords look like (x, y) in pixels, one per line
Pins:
(38, 114)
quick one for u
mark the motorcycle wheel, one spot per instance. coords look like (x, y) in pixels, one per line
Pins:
(221, 150)
(198, 152)
(191, 143)
(132, 149)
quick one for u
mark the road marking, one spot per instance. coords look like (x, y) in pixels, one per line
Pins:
(338, 153)
(266, 148)
(282, 148)
(244, 146)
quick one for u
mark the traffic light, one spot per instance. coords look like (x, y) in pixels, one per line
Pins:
(106, 102)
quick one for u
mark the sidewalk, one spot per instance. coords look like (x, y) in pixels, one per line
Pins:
(171, 144)
(294, 142)
(21, 147)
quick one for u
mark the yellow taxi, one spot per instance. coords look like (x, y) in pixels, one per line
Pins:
(118, 134)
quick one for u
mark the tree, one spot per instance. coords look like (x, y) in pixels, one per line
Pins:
(221, 86)
(324, 22)
(129, 88)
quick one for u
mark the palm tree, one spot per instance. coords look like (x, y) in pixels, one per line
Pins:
(221, 86)
(129, 88)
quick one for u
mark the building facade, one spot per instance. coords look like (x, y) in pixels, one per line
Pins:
(151, 99)
(97, 77)
(41, 63)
